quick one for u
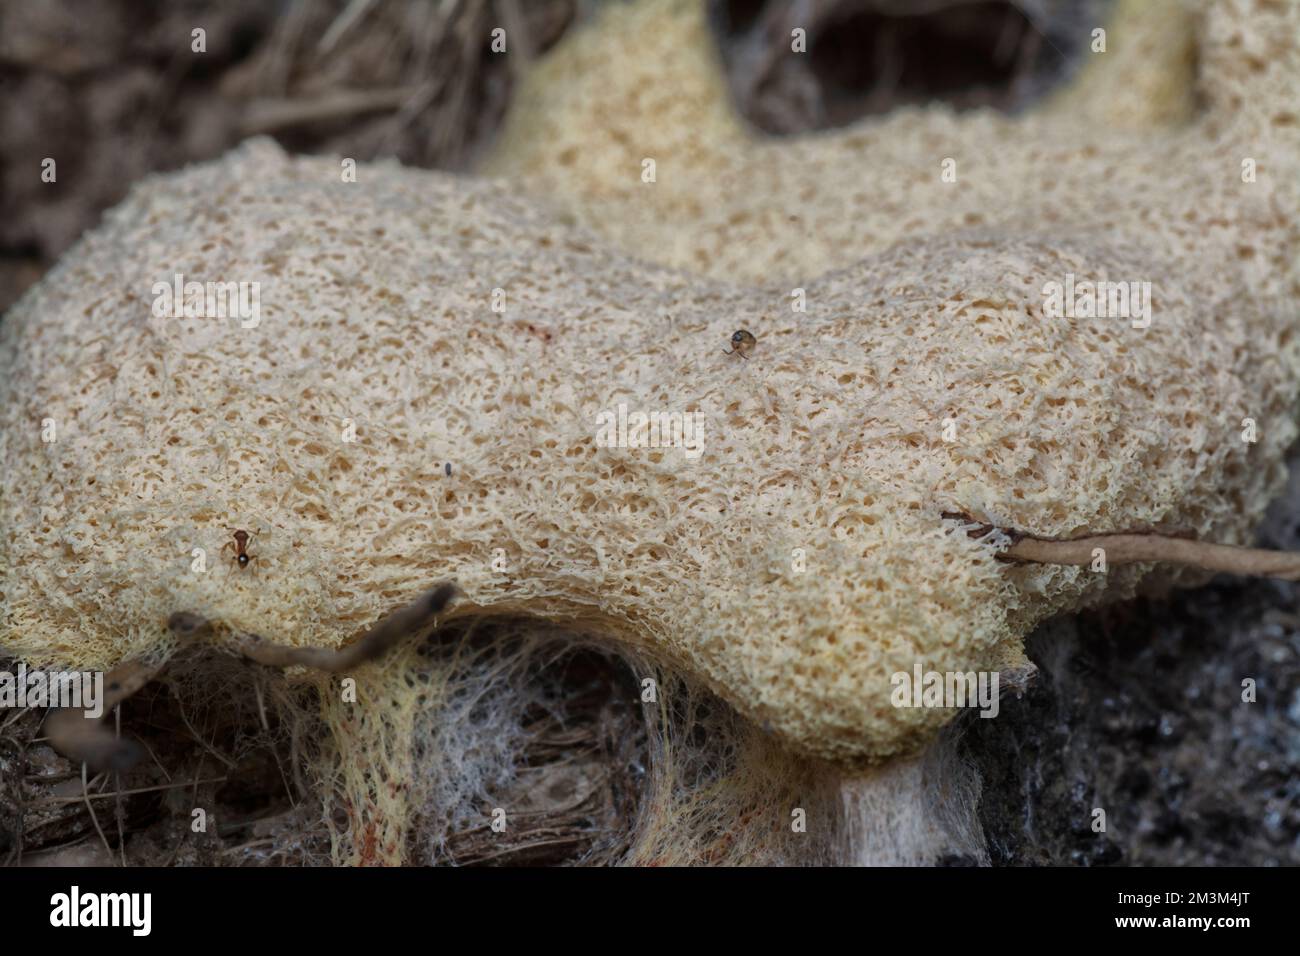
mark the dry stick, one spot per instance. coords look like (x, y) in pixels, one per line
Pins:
(1136, 548)
(154, 757)
(85, 739)
(294, 760)
(85, 791)
(261, 704)
(559, 841)
(413, 619)
(117, 783)
(284, 778)
(230, 850)
(180, 707)
(59, 801)
(269, 116)
(1143, 547)
(198, 772)
(342, 23)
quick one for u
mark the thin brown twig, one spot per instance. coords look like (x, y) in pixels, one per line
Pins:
(408, 621)
(86, 740)
(155, 759)
(1137, 547)
(284, 778)
(58, 801)
(537, 844)
(261, 704)
(85, 792)
(118, 810)
(353, 13)
(272, 115)
(180, 707)
(230, 850)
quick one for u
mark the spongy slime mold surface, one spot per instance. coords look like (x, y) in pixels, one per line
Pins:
(794, 557)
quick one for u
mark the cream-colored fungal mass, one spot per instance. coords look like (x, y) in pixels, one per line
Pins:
(801, 557)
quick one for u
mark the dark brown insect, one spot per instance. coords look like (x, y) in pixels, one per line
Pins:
(742, 343)
(240, 545)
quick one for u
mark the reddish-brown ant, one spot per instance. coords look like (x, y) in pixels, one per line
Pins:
(240, 545)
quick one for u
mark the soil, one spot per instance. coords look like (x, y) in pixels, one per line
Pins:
(1138, 710)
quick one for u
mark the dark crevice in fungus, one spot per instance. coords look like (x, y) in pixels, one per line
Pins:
(224, 775)
(872, 56)
(560, 720)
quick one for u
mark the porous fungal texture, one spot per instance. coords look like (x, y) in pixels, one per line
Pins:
(800, 559)
(1122, 151)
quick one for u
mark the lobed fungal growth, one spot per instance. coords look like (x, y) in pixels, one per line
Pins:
(802, 556)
